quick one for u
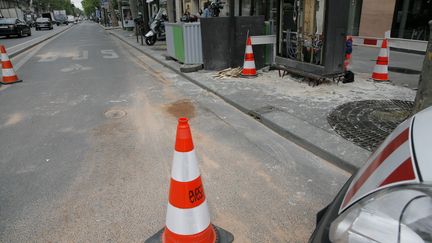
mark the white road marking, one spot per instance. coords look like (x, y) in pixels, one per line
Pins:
(81, 56)
(48, 57)
(75, 67)
(109, 54)
(34, 51)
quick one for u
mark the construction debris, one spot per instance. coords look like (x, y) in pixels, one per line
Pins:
(229, 73)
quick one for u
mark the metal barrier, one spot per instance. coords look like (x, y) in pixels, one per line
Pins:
(266, 40)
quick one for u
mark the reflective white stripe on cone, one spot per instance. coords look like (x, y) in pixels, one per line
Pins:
(184, 167)
(8, 72)
(249, 65)
(381, 69)
(188, 221)
(4, 57)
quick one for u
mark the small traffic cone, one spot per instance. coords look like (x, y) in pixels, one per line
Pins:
(8, 74)
(380, 72)
(188, 217)
(347, 62)
(249, 61)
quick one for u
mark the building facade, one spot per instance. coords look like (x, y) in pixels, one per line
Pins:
(407, 19)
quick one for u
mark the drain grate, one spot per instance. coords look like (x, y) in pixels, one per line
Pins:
(115, 114)
(367, 123)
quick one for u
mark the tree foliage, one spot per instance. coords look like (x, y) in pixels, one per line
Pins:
(50, 5)
(89, 6)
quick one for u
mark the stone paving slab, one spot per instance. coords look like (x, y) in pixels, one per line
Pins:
(289, 106)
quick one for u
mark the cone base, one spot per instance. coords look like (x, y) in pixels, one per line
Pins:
(222, 236)
(249, 75)
(17, 81)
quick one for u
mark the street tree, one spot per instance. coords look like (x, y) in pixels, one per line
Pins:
(89, 6)
(112, 6)
(424, 93)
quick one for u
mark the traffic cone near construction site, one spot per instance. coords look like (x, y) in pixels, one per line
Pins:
(380, 72)
(8, 73)
(249, 61)
(188, 217)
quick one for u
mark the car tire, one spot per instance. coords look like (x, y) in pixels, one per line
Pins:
(37, 29)
(21, 33)
(29, 33)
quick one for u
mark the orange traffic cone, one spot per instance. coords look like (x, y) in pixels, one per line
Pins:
(8, 73)
(188, 217)
(380, 72)
(249, 61)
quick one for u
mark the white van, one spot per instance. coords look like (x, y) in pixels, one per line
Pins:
(71, 19)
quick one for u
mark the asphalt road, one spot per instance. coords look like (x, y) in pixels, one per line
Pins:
(404, 68)
(15, 40)
(87, 143)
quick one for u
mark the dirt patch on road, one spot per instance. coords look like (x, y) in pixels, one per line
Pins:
(181, 108)
(14, 119)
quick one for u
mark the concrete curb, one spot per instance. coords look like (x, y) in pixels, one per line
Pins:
(35, 43)
(320, 151)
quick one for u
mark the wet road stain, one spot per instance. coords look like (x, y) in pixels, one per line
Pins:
(181, 108)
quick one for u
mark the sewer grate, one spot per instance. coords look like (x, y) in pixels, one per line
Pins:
(115, 114)
(367, 123)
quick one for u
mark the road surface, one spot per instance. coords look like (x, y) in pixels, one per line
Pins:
(404, 68)
(15, 40)
(87, 143)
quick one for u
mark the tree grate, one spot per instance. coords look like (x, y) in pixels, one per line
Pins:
(367, 123)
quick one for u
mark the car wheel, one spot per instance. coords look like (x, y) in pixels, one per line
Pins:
(21, 33)
(29, 33)
(36, 29)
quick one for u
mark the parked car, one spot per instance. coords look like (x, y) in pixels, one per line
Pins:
(390, 198)
(62, 19)
(13, 26)
(43, 23)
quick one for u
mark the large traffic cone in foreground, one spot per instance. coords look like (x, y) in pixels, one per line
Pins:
(380, 72)
(249, 61)
(188, 217)
(8, 73)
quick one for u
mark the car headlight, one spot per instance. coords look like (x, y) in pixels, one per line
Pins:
(399, 214)
(11, 26)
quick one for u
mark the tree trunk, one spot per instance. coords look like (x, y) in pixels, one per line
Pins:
(113, 14)
(145, 16)
(171, 11)
(133, 8)
(424, 92)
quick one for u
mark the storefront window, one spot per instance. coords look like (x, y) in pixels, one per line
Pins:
(410, 20)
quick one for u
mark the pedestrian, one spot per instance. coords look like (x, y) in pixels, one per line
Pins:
(206, 12)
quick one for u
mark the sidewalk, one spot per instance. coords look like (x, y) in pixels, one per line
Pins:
(287, 105)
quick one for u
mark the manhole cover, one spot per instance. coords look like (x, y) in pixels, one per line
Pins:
(367, 123)
(115, 114)
(403, 70)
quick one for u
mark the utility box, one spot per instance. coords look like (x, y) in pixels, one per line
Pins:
(184, 42)
(312, 34)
